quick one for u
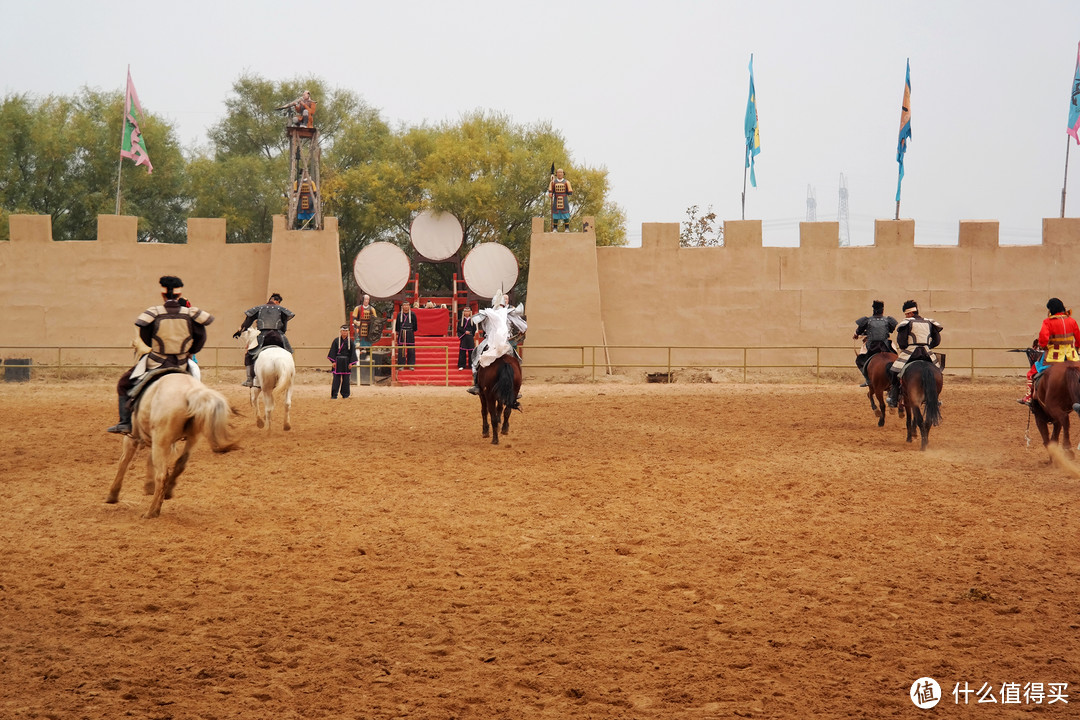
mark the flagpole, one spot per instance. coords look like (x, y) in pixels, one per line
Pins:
(744, 193)
(1066, 180)
(897, 210)
(123, 120)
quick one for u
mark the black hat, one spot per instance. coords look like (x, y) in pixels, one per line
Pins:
(1055, 306)
(911, 305)
(344, 327)
(170, 283)
(276, 296)
(879, 307)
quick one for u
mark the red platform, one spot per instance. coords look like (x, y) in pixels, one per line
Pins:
(432, 366)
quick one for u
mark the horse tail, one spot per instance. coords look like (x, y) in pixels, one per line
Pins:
(504, 386)
(1072, 381)
(210, 412)
(930, 393)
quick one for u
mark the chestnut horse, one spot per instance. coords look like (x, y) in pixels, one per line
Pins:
(877, 372)
(499, 385)
(1056, 395)
(174, 408)
(920, 387)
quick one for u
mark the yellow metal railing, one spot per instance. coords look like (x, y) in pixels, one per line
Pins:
(593, 359)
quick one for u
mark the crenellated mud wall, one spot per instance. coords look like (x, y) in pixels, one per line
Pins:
(87, 294)
(743, 294)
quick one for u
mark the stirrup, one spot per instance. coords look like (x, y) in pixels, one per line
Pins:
(247, 383)
(1025, 401)
(120, 429)
(473, 390)
(864, 385)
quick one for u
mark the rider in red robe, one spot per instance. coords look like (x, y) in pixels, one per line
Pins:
(1058, 339)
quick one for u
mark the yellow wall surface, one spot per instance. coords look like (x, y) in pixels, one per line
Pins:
(744, 294)
(88, 294)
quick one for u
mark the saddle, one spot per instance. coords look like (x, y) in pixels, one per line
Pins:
(149, 378)
(921, 353)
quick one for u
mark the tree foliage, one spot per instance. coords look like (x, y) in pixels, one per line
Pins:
(489, 171)
(701, 231)
(62, 161)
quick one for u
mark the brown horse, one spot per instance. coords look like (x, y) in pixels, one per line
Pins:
(920, 387)
(499, 385)
(1056, 395)
(176, 408)
(877, 372)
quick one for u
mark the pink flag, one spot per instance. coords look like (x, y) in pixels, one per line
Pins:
(133, 146)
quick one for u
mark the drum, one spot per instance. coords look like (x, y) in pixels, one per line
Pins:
(436, 236)
(381, 269)
(489, 268)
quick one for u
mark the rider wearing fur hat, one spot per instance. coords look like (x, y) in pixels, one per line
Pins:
(916, 336)
(174, 332)
(875, 331)
(1059, 337)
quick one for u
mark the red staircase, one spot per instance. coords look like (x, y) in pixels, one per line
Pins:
(436, 364)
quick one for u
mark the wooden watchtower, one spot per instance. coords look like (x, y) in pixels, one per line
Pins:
(305, 180)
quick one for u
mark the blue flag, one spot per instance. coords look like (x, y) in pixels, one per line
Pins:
(905, 128)
(1074, 102)
(753, 138)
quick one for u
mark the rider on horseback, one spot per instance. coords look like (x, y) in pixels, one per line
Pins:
(174, 332)
(503, 327)
(875, 331)
(1057, 341)
(915, 335)
(273, 316)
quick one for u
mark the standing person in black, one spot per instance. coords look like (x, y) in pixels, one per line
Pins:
(466, 331)
(406, 337)
(342, 356)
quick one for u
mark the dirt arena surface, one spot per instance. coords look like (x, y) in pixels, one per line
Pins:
(628, 551)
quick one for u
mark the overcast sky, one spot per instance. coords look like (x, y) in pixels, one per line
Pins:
(653, 91)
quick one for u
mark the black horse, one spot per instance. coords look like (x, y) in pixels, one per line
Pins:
(499, 385)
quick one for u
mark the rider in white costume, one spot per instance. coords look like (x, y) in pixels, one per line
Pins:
(500, 324)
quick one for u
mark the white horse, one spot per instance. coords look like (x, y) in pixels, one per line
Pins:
(274, 370)
(174, 408)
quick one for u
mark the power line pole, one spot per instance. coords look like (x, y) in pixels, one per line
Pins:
(842, 214)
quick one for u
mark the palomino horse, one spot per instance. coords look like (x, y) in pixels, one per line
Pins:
(877, 372)
(1056, 395)
(175, 407)
(499, 385)
(274, 370)
(920, 387)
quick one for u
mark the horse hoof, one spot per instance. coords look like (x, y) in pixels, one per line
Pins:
(288, 427)
(259, 422)
(111, 500)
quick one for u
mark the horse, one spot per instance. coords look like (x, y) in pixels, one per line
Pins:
(1056, 394)
(877, 372)
(920, 387)
(499, 385)
(274, 369)
(173, 408)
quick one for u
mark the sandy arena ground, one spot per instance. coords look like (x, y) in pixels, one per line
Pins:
(628, 551)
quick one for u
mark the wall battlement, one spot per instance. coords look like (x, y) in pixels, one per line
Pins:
(88, 293)
(747, 294)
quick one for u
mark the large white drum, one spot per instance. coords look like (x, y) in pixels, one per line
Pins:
(381, 269)
(436, 236)
(489, 267)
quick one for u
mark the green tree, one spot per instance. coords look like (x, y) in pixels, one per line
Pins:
(62, 161)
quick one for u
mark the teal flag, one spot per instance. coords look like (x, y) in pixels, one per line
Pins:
(753, 137)
(905, 128)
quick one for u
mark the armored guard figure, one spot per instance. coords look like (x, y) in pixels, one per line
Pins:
(559, 190)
